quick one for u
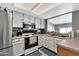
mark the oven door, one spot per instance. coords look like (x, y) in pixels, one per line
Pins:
(31, 42)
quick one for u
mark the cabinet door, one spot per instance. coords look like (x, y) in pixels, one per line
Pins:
(40, 40)
(17, 19)
(26, 19)
(37, 23)
(32, 19)
(42, 23)
(46, 42)
(18, 48)
(52, 44)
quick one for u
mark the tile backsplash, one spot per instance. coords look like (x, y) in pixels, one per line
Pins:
(15, 31)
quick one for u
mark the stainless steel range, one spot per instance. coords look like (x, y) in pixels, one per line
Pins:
(31, 41)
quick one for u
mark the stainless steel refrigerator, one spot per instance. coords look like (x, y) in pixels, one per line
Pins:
(5, 34)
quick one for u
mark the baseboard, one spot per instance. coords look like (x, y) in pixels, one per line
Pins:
(40, 47)
(31, 53)
(30, 50)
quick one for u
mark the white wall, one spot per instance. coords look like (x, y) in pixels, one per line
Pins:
(75, 23)
(75, 20)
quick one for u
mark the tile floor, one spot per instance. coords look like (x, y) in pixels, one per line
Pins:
(42, 52)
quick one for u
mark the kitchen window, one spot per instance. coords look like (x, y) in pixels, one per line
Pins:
(65, 30)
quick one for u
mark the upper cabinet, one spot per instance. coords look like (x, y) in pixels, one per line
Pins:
(37, 23)
(26, 19)
(42, 23)
(17, 19)
(32, 19)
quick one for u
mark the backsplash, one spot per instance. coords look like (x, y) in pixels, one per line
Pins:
(16, 31)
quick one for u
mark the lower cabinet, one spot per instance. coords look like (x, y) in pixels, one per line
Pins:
(49, 42)
(41, 40)
(18, 48)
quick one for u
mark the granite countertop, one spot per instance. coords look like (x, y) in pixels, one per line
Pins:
(17, 37)
(70, 43)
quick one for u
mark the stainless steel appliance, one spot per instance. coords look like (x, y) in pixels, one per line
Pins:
(29, 26)
(5, 34)
(31, 42)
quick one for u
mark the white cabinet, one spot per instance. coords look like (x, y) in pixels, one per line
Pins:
(42, 23)
(32, 19)
(41, 40)
(37, 23)
(18, 47)
(52, 44)
(26, 19)
(17, 19)
(48, 42)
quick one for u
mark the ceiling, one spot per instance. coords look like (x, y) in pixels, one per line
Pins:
(37, 8)
(62, 19)
(49, 10)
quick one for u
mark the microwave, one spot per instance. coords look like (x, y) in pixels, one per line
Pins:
(29, 26)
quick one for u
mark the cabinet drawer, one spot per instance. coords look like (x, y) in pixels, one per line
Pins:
(15, 40)
(18, 42)
(18, 49)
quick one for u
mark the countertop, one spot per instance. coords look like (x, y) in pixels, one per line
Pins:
(17, 37)
(70, 43)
